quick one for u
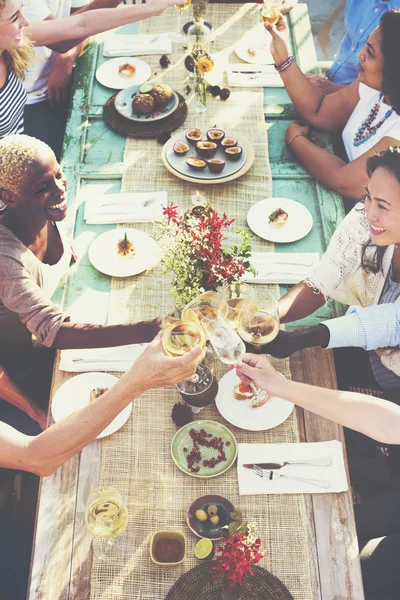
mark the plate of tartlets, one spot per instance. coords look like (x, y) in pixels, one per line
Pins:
(124, 252)
(211, 156)
(146, 102)
(279, 220)
(83, 389)
(123, 72)
(233, 402)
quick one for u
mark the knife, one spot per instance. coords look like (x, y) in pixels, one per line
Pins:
(250, 72)
(316, 462)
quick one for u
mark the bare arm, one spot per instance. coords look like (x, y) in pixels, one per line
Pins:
(327, 112)
(47, 451)
(371, 416)
(299, 302)
(63, 34)
(347, 179)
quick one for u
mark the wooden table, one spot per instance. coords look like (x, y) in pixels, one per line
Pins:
(62, 557)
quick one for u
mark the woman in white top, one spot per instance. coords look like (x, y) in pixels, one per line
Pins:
(60, 35)
(366, 112)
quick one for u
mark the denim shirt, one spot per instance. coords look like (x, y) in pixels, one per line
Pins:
(361, 18)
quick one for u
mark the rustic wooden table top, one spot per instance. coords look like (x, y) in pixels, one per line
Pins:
(61, 561)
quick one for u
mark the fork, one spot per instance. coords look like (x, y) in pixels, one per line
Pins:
(273, 475)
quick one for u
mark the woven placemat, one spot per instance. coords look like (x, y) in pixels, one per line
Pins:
(200, 584)
(146, 129)
(137, 458)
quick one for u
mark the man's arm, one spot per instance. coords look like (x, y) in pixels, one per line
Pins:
(47, 451)
(371, 416)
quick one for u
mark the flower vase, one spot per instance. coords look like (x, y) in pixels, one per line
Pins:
(231, 593)
(200, 88)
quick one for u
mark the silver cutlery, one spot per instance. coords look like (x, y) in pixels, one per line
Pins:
(314, 462)
(273, 475)
(129, 203)
(251, 72)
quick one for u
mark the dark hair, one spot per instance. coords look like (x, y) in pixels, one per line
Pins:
(389, 160)
(390, 46)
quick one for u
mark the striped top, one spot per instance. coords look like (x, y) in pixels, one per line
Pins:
(12, 104)
(385, 377)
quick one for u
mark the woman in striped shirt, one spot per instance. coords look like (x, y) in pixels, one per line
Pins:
(59, 35)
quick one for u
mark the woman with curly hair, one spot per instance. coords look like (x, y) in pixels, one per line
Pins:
(17, 36)
(366, 112)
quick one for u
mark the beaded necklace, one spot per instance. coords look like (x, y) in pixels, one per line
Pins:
(366, 129)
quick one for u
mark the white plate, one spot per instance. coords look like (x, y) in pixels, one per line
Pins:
(298, 224)
(123, 104)
(75, 394)
(178, 163)
(259, 40)
(104, 256)
(238, 413)
(108, 75)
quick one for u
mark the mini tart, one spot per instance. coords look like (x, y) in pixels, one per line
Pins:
(278, 217)
(243, 391)
(127, 70)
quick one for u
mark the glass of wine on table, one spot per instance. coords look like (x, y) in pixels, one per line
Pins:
(106, 518)
(179, 37)
(181, 333)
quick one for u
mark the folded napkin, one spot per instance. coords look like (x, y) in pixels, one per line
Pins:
(118, 358)
(335, 474)
(125, 208)
(253, 75)
(138, 45)
(277, 267)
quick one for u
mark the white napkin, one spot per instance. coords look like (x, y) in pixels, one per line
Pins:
(125, 208)
(138, 45)
(250, 483)
(253, 75)
(118, 358)
(277, 267)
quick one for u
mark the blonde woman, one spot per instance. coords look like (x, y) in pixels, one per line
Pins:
(17, 36)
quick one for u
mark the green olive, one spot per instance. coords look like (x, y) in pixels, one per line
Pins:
(214, 520)
(201, 515)
(212, 510)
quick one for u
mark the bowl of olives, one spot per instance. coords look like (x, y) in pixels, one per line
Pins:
(209, 516)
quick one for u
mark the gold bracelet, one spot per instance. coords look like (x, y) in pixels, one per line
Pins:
(294, 137)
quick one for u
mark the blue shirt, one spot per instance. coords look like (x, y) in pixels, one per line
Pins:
(361, 18)
(369, 328)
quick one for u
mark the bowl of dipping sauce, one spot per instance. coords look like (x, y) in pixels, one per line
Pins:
(168, 548)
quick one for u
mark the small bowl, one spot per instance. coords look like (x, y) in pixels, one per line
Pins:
(205, 529)
(170, 535)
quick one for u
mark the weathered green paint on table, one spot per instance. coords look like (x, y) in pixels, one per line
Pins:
(92, 161)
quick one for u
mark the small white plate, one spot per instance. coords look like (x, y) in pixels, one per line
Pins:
(108, 73)
(258, 40)
(104, 256)
(238, 413)
(123, 104)
(297, 226)
(75, 394)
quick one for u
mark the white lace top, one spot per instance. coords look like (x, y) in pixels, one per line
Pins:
(340, 276)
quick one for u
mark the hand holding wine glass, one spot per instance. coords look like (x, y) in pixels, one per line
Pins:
(278, 44)
(179, 37)
(259, 326)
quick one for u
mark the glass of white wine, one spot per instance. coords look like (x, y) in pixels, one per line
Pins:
(106, 518)
(270, 13)
(181, 332)
(227, 345)
(259, 326)
(234, 295)
(179, 37)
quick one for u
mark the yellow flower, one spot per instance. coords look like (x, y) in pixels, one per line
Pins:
(205, 65)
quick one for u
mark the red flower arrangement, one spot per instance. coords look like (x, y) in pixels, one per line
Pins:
(236, 557)
(193, 251)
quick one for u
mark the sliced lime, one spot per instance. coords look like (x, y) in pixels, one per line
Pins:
(146, 88)
(203, 548)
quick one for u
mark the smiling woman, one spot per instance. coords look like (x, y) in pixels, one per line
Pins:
(35, 254)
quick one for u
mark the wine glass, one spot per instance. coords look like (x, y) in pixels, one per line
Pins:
(181, 333)
(227, 345)
(197, 396)
(270, 13)
(179, 37)
(208, 305)
(106, 518)
(259, 326)
(234, 295)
